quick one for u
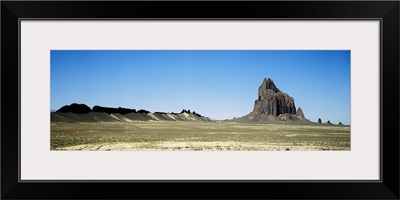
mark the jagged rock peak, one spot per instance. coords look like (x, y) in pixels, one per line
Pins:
(267, 84)
(273, 105)
(271, 101)
(300, 114)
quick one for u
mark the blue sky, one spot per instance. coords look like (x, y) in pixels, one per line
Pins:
(220, 84)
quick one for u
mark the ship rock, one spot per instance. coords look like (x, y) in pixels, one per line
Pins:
(273, 105)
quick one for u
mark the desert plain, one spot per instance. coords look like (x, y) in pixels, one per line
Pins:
(197, 135)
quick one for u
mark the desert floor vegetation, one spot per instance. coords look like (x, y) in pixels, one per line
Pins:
(176, 135)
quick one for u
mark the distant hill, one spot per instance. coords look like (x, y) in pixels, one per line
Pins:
(82, 113)
(75, 108)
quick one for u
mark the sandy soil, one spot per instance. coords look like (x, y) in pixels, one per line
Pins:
(189, 146)
(173, 135)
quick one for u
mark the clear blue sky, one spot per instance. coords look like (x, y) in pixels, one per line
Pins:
(220, 84)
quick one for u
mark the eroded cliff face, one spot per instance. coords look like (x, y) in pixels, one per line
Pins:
(273, 105)
(272, 101)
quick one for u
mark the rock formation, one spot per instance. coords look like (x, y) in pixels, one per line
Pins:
(273, 105)
(82, 113)
(119, 110)
(271, 101)
(197, 114)
(319, 120)
(143, 111)
(75, 108)
(185, 111)
(300, 114)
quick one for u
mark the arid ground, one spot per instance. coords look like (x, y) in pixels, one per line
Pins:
(185, 135)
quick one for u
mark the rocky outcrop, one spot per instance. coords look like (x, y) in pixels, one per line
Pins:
(141, 115)
(119, 110)
(267, 84)
(271, 101)
(82, 113)
(300, 114)
(340, 124)
(143, 111)
(185, 111)
(75, 108)
(273, 106)
(197, 114)
(319, 120)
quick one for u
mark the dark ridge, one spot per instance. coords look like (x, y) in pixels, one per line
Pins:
(119, 110)
(185, 111)
(83, 113)
(143, 111)
(197, 114)
(83, 109)
(160, 113)
(75, 108)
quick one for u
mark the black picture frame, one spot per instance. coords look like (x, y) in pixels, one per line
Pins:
(386, 11)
